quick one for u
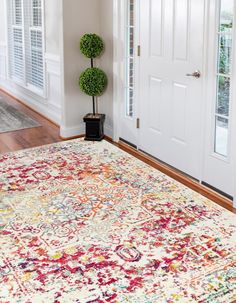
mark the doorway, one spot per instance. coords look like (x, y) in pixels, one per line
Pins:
(174, 82)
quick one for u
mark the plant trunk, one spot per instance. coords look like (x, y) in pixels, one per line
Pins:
(93, 105)
(96, 105)
(93, 97)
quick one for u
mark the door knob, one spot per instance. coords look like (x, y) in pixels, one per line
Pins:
(196, 74)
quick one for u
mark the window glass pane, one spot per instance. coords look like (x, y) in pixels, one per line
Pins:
(37, 17)
(131, 41)
(224, 69)
(18, 12)
(131, 19)
(225, 55)
(131, 72)
(37, 13)
(226, 15)
(221, 136)
(129, 105)
(130, 60)
(223, 96)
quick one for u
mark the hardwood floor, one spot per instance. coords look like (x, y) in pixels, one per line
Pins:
(27, 138)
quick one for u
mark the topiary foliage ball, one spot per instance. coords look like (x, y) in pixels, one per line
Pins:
(93, 81)
(91, 45)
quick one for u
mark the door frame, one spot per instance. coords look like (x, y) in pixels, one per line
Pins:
(213, 10)
(119, 77)
(119, 63)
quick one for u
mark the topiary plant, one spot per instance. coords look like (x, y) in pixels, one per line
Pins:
(91, 45)
(93, 81)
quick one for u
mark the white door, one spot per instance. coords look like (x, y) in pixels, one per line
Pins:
(220, 140)
(171, 101)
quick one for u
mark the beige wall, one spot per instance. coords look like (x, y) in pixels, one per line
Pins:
(80, 17)
(106, 61)
(53, 19)
(2, 22)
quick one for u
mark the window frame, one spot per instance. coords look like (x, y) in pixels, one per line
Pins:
(218, 35)
(27, 25)
(129, 106)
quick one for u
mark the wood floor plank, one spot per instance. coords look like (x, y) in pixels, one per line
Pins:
(47, 133)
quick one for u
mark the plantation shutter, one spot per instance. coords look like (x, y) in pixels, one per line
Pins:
(16, 40)
(30, 17)
(34, 45)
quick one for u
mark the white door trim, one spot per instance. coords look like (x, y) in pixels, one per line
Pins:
(118, 63)
(204, 87)
(211, 158)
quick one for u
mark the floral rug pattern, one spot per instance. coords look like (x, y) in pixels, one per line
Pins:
(84, 222)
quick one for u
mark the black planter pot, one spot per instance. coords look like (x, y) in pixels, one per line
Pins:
(94, 125)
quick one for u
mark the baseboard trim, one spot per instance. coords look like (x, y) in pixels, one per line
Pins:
(171, 172)
(71, 138)
(28, 106)
(72, 132)
(79, 131)
(107, 138)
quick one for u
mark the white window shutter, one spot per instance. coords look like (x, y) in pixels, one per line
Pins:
(34, 47)
(16, 40)
(26, 43)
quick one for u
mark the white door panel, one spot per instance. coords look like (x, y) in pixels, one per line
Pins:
(171, 102)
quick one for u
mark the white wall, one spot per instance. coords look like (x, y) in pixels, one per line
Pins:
(51, 105)
(66, 21)
(2, 40)
(80, 17)
(2, 21)
(53, 19)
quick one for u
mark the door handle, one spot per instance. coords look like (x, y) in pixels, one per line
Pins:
(196, 74)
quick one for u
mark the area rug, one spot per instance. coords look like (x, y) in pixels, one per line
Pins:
(11, 119)
(85, 222)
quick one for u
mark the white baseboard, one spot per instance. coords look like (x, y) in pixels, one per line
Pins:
(50, 106)
(68, 132)
(78, 130)
(108, 131)
(49, 112)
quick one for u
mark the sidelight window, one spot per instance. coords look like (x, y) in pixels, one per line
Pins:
(130, 60)
(224, 74)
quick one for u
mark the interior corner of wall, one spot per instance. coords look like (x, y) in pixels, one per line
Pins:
(72, 131)
(108, 130)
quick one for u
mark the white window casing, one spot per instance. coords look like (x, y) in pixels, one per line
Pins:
(26, 44)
